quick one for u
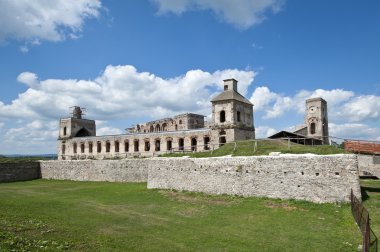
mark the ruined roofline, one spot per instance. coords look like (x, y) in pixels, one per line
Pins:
(186, 114)
(68, 118)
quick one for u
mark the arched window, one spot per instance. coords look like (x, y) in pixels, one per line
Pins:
(158, 128)
(169, 144)
(151, 129)
(193, 144)
(99, 147)
(108, 146)
(238, 116)
(90, 147)
(222, 116)
(222, 140)
(312, 128)
(207, 142)
(181, 143)
(64, 131)
(116, 146)
(126, 146)
(75, 148)
(180, 122)
(157, 145)
(136, 145)
(164, 127)
(147, 145)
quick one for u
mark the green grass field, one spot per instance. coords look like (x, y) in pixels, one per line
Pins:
(43, 215)
(371, 199)
(263, 147)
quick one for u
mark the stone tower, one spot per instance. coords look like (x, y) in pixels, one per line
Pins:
(316, 119)
(76, 125)
(232, 115)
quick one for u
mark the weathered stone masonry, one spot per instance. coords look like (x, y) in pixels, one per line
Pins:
(304, 177)
(10, 172)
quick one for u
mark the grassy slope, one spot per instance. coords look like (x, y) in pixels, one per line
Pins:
(100, 216)
(264, 147)
(371, 199)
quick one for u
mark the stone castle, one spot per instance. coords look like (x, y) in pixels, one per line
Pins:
(232, 120)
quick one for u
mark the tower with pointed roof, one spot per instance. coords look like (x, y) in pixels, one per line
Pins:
(232, 115)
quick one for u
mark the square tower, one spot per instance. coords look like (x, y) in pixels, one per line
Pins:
(232, 114)
(76, 126)
(316, 119)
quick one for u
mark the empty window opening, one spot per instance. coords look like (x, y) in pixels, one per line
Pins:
(157, 145)
(151, 129)
(147, 146)
(82, 148)
(317, 174)
(164, 127)
(169, 145)
(136, 145)
(302, 173)
(75, 147)
(176, 127)
(194, 144)
(63, 149)
(90, 147)
(99, 147)
(207, 142)
(158, 128)
(225, 87)
(222, 116)
(116, 146)
(108, 146)
(222, 132)
(180, 122)
(312, 128)
(64, 131)
(222, 140)
(336, 173)
(238, 116)
(126, 146)
(181, 143)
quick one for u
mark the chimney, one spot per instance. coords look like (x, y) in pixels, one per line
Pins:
(230, 84)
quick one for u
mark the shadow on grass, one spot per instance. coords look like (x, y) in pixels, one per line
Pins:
(366, 189)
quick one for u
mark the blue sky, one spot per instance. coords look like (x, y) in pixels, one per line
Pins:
(133, 61)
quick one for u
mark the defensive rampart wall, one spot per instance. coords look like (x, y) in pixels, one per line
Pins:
(304, 177)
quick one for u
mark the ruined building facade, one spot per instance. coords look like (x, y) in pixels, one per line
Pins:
(232, 120)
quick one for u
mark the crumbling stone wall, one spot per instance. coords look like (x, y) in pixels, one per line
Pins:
(10, 172)
(303, 177)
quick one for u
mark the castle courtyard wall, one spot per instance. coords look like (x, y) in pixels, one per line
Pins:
(303, 177)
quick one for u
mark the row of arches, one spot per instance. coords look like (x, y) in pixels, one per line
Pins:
(137, 145)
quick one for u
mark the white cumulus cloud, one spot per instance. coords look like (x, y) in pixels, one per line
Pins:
(53, 20)
(264, 131)
(241, 13)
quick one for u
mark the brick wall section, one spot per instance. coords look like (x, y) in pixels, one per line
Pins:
(125, 170)
(304, 177)
(362, 147)
(10, 172)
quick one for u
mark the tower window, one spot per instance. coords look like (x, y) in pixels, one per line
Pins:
(64, 131)
(222, 116)
(238, 116)
(312, 128)
(225, 87)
